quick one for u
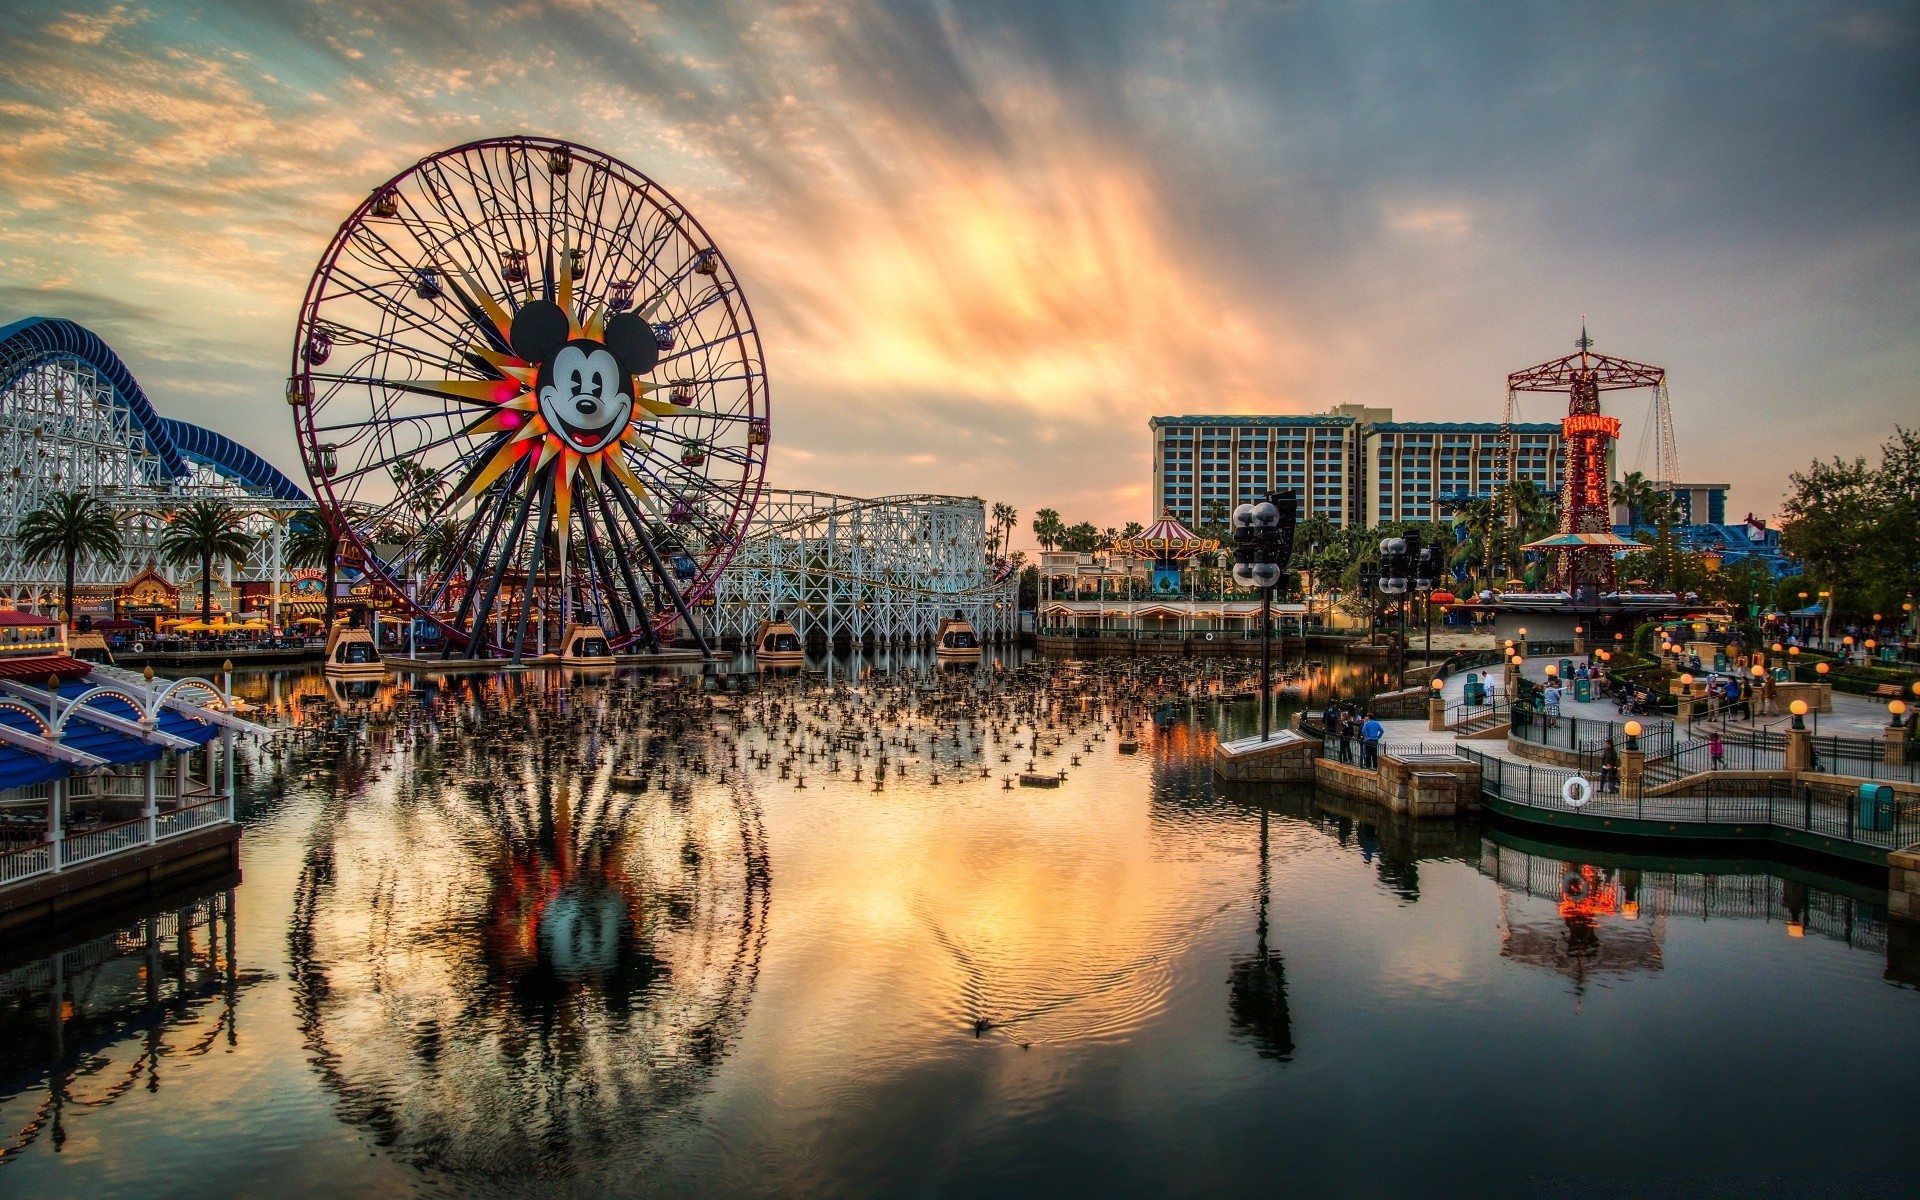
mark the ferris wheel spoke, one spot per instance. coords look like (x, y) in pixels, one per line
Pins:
(406, 319)
(492, 523)
(398, 456)
(624, 559)
(446, 198)
(660, 571)
(508, 555)
(597, 565)
(426, 416)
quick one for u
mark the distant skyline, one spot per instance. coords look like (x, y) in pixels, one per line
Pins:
(986, 241)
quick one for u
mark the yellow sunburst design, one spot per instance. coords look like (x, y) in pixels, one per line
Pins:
(522, 429)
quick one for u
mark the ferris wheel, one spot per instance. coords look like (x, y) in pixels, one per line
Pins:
(529, 392)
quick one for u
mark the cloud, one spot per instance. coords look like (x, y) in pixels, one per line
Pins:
(985, 242)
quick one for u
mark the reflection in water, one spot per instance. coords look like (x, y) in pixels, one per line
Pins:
(522, 935)
(119, 1012)
(1612, 920)
(1257, 989)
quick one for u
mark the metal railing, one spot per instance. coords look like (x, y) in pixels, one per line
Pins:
(95, 844)
(98, 843)
(1460, 714)
(1587, 736)
(194, 816)
(109, 786)
(1694, 757)
(26, 863)
(1779, 803)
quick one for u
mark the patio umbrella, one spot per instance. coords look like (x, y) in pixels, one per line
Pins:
(192, 627)
(309, 621)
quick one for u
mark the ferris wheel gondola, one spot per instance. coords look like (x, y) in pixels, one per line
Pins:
(530, 394)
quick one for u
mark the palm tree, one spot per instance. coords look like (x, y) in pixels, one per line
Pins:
(1484, 520)
(65, 526)
(311, 542)
(202, 531)
(1631, 492)
(1133, 529)
(1004, 515)
(1047, 528)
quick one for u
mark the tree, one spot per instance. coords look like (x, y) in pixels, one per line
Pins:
(64, 527)
(1631, 492)
(1214, 518)
(418, 486)
(1485, 522)
(1082, 538)
(1133, 529)
(312, 542)
(1857, 528)
(1047, 528)
(1004, 515)
(1108, 537)
(203, 531)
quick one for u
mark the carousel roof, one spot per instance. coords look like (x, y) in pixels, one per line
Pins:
(1561, 541)
(1166, 538)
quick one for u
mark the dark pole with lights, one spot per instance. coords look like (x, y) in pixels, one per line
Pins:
(1396, 564)
(1369, 579)
(1426, 573)
(1262, 547)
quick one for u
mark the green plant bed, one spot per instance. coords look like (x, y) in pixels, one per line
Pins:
(1863, 681)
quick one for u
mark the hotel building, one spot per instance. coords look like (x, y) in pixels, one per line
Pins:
(1352, 465)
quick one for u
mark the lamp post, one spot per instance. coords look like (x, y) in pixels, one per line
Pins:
(1262, 547)
(1369, 579)
(1426, 573)
(1397, 555)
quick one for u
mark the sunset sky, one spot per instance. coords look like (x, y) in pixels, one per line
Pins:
(986, 241)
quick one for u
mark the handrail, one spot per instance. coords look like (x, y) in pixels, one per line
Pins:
(97, 843)
(1776, 804)
(26, 862)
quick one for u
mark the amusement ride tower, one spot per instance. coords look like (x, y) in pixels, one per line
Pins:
(1586, 543)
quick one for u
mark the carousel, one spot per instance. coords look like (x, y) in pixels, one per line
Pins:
(1144, 590)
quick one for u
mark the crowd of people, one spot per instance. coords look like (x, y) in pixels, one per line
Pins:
(1346, 723)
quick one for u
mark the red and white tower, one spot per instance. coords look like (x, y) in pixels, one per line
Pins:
(1586, 545)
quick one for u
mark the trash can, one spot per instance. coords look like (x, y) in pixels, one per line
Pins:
(1566, 670)
(1583, 689)
(1476, 692)
(1876, 807)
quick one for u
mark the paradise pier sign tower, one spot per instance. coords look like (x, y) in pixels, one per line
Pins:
(1584, 547)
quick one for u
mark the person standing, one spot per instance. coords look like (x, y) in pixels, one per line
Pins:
(1553, 703)
(1346, 736)
(1370, 735)
(1609, 767)
(1769, 695)
(1717, 751)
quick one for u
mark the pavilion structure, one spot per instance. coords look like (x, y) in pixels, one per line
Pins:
(1143, 591)
(109, 780)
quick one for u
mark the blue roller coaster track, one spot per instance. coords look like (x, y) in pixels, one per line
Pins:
(34, 341)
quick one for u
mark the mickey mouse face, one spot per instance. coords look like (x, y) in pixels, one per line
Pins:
(587, 399)
(584, 387)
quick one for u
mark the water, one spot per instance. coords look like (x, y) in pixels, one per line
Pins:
(471, 956)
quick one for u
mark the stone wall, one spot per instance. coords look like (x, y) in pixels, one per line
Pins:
(1425, 786)
(1286, 758)
(1903, 884)
(1409, 702)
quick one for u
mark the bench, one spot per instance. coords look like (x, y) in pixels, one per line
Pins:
(1889, 690)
